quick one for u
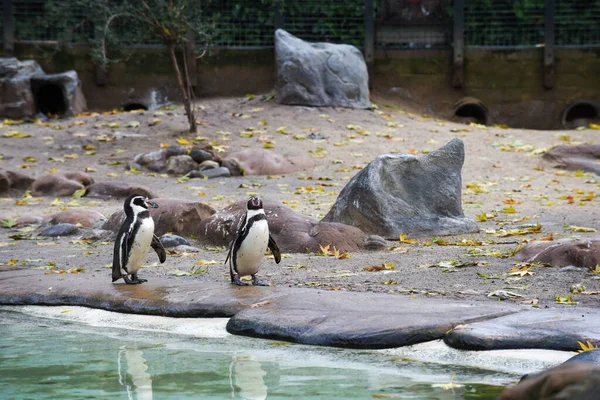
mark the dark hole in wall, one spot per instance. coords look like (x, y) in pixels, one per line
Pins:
(580, 113)
(50, 98)
(473, 111)
(134, 106)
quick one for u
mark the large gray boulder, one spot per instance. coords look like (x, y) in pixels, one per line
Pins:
(26, 90)
(16, 99)
(59, 93)
(404, 194)
(320, 74)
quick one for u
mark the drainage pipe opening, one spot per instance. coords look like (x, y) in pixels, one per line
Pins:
(469, 109)
(134, 106)
(581, 113)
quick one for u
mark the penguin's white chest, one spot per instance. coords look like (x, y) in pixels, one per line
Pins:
(140, 246)
(252, 249)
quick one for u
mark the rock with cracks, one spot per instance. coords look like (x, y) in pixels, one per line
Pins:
(404, 194)
(320, 74)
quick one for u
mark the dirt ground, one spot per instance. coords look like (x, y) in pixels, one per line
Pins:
(507, 187)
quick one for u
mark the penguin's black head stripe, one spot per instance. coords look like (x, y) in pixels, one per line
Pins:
(254, 203)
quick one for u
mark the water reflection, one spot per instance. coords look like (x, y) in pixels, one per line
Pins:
(247, 376)
(135, 367)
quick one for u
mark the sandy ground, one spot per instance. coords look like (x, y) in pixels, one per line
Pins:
(506, 186)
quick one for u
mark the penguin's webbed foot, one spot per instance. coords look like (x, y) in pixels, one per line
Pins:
(255, 282)
(235, 278)
(136, 279)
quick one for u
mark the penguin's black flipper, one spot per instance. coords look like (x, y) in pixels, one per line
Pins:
(274, 249)
(159, 249)
(120, 256)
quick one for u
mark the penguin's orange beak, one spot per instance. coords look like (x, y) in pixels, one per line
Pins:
(151, 204)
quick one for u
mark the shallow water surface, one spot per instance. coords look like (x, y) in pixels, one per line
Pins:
(44, 358)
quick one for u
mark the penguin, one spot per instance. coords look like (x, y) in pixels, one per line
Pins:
(247, 250)
(134, 240)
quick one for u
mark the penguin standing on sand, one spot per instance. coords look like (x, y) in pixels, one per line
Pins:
(247, 250)
(134, 240)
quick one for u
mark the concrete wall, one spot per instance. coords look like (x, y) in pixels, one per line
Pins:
(509, 82)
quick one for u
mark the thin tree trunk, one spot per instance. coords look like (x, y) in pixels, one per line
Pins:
(189, 110)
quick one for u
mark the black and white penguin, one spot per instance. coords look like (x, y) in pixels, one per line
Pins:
(134, 240)
(247, 250)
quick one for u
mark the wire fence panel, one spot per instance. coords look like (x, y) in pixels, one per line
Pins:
(399, 23)
(414, 24)
(577, 22)
(504, 23)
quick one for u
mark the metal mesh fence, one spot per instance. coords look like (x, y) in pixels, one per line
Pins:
(577, 22)
(399, 23)
(414, 24)
(504, 23)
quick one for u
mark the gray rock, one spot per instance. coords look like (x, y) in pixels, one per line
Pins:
(216, 172)
(320, 74)
(208, 164)
(293, 232)
(59, 93)
(60, 184)
(29, 220)
(17, 100)
(536, 329)
(404, 194)
(233, 165)
(97, 235)
(19, 180)
(181, 217)
(170, 240)
(117, 190)
(186, 249)
(344, 319)
(354, 320)
(60, 230)
(85, 218)
(201, 155)
(590, 356)
(583, 253)
(172, 151)
(581, 157)
(181, 165)
(265, 162)
(154, 160)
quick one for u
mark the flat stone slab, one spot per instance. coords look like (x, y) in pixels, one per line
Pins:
(342, 319)
(557, 329)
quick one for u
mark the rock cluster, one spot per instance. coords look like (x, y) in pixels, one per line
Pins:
(204, 162)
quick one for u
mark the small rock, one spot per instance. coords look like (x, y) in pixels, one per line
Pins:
(59, 184)
(154, 161)
(60, 230)
(233, 165)
(98, 235)
(316, 136)
(186, 249)
(173, 151)
(29, 220)
(208, 164)
(181, 165)
(117, 190)
(170, 240)
(570, 268)
(85, 218)
(216, 172)
(4, 182)
(19, 180)
(201, 155)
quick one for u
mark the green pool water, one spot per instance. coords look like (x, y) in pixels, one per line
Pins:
(44, 358)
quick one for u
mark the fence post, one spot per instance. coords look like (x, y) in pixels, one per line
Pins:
(369, 46)
(9, 28)
(459, 44)
(548, 44)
